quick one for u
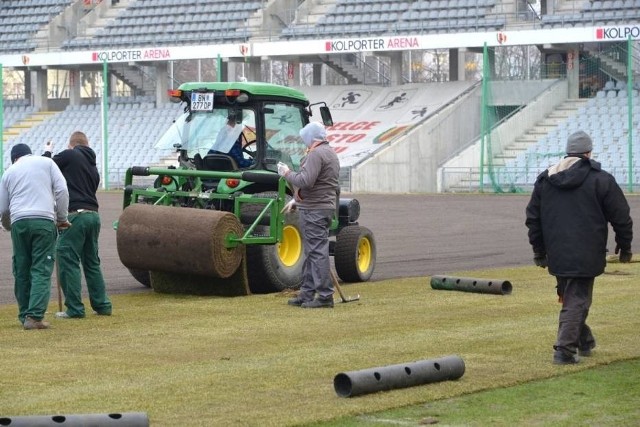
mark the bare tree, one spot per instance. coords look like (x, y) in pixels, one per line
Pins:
(516, 63)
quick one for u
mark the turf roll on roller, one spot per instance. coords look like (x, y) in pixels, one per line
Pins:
(468, 284)
(353, 383)
(179, 240)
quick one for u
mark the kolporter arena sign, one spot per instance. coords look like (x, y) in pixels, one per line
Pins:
(324, 46)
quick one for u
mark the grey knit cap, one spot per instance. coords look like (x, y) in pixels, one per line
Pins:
(579, 142)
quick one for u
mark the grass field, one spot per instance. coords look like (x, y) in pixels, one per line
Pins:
(254, 360)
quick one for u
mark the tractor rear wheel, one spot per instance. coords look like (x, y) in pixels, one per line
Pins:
(355, 254)
(274, 268)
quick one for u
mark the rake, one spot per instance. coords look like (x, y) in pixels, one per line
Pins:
(339, 289)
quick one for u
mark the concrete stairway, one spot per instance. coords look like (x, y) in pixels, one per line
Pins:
(29, 122)
(520, 145)
(531, 136)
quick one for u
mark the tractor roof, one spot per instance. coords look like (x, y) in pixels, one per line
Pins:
(253, 88)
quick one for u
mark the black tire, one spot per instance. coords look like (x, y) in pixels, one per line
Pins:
(355, 254)
(250, 211)
(274, 268)
(141, 276)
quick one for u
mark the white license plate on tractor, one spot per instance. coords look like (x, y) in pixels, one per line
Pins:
(202, 101)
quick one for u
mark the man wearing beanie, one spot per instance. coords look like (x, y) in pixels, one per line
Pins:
(316, 185)
(33, 204)
(568, 215)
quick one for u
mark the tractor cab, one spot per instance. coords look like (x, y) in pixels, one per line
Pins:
(239, 126)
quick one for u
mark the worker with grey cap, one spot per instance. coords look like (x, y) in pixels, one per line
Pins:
(316, 189)
(568, 214)
(34, 203)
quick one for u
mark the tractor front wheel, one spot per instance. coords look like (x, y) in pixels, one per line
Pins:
(355, 254)
(274, 268)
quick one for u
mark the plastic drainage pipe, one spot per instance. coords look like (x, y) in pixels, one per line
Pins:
(128, 419)
(468, 284)
(354, 383)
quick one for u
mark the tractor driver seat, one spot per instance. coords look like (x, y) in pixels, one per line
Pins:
(218, 162)
(215, 162)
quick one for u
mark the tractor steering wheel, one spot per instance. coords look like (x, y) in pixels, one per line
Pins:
(249, 148)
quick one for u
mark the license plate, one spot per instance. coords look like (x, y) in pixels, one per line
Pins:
(201, 101)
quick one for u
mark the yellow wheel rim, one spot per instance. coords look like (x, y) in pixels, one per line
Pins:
(364, 254)
(290, 249)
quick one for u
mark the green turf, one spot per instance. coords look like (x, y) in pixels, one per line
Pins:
(601, 396)
(203, 361)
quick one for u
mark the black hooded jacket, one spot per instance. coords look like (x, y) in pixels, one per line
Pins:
(568, 215)
(78, 165)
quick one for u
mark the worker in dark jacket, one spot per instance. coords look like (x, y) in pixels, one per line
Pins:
(79, 244)
(567, 217)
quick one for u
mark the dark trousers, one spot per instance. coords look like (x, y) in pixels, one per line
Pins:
(78, 246)
(573, 332)
(316, 278)
(33, 257)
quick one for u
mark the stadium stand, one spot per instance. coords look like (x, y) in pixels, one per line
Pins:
(153, 22)
(605, 119)
(133, 128)
(21, 19)
(15, 111)
(375, 17)
(603, 12)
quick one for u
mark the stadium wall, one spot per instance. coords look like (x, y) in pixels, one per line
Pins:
(456, 174)
(410, 164)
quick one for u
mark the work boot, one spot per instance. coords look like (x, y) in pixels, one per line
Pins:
(102, 313)
(31, 323)
(65, 315)
(586, 350)
(297, 302)
(561, 358)
(318, 303)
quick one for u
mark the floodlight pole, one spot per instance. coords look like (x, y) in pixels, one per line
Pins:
(105, 137)
(630, 114)
(483, 113)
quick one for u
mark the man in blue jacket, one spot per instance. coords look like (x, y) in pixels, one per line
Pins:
(568, 215)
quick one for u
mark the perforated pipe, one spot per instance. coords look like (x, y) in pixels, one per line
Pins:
(128, 419)
(468, 284)
(354, 383)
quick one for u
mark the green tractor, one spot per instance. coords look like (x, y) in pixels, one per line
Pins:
(214, 223)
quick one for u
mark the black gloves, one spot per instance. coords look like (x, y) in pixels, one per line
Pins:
(540, 259)
(625, 254)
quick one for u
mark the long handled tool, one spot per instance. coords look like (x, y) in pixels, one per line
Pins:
(58, 285)
(339, 289)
